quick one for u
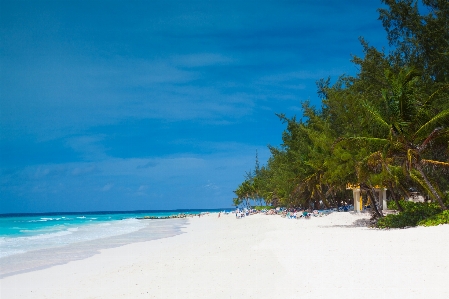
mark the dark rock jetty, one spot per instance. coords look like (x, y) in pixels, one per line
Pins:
(168, 217)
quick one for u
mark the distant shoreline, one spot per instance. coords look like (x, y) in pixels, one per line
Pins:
(109, 212)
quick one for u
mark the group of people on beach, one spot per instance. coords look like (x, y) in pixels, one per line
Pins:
(283, 212)
(290, 213)
(300, 214)
(241, 214)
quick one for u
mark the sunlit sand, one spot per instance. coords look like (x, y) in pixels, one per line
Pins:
(256, 257)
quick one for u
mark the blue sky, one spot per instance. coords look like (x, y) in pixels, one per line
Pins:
(132, 105)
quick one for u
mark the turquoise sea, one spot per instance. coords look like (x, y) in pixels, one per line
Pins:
(30, 241)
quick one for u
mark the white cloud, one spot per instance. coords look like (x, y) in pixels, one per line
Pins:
(211, 186)
(201, 60)
(41, 172)
(90, 147)
(107, 187)
(142, 188)
(83, 170)
(177, 181)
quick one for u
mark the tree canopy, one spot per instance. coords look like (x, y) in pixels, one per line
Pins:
(387, 125)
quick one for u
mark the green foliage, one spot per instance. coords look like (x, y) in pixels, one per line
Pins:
(391, 205)
(387, 125)
(419, 39)
(237, 201)
(441, 218)
(260, 208)
(414, 214)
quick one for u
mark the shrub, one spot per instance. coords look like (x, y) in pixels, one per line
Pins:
(391, 205)
(260, 208)
(413, 214)
(441, 218)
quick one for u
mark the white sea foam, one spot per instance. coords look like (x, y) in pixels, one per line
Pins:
(68, 235)
(6, 252)
(47, 235)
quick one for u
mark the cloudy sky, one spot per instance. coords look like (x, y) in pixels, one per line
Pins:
(158, 104)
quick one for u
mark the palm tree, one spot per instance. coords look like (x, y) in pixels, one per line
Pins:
(411, 127)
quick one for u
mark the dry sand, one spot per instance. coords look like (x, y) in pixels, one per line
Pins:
(256, 257)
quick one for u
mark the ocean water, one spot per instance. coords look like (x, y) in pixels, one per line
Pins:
(32, 241)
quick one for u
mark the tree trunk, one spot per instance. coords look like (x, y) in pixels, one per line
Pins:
(322, 198)
(431, 188)
(395, 198)
(377, 199)
(371, 195)
(326, 203)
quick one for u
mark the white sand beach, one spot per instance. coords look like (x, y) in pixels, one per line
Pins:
(256, 257)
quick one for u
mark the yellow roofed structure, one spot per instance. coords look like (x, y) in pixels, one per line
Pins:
(358, 200)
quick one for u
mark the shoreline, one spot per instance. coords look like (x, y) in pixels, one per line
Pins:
(256, 257)
(49, 257)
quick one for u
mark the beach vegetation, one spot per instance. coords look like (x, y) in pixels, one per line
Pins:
(441, 218)
(388, 126)
(414, 214)
(260, 208)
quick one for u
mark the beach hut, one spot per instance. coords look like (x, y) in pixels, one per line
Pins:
(381, 193)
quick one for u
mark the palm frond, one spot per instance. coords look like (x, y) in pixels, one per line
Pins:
(415, 176)
(376, 115)
(411, 157)
(443, 115)
(430, 98)
(411, 74)
(370, 140)
(433, 162)
(418, 177)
